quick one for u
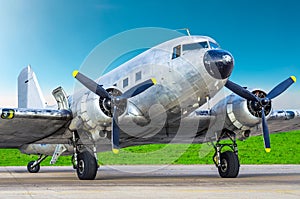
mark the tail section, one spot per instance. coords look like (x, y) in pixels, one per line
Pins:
(29, 91)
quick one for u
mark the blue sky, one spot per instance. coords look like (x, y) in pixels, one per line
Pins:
(55, 36)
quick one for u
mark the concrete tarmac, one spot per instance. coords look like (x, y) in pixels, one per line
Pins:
(159, 181)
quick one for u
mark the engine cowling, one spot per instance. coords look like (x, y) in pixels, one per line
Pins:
(239, 114)
(93, 113)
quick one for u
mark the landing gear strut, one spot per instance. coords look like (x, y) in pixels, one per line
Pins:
(34, 166)
(227, 162)
(84, 161)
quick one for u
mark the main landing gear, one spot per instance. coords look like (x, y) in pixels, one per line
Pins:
(84, 161)
(227, 162)
(87, 166)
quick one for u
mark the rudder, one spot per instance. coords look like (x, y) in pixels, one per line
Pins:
(29, 91)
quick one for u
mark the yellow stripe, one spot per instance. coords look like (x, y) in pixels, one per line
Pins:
(75, 72)
(268, 150)
(154, 80)
(293, 78)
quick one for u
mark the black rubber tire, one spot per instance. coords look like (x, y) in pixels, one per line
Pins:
(35, 169)
(230, 165)
(86, 166)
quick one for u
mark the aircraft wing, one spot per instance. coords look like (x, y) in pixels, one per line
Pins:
(24, 126)
(283, 121)
(279, 121)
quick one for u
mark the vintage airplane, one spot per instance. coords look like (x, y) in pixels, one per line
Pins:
(156, 97)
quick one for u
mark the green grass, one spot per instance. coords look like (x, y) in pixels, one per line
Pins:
(285, 150)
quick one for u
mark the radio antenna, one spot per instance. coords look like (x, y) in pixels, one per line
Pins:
(187, 31)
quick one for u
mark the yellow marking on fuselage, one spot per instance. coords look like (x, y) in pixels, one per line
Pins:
(8, 114)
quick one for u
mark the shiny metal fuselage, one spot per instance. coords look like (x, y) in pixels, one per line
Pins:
(183, 85)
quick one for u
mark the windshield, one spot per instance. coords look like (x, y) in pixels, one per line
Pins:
(213, 45)
(195, 46)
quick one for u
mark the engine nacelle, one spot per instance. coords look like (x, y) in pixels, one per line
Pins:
(239, 114)
(93, 113)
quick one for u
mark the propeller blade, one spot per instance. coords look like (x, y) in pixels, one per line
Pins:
(280, 88)
(115, 132)
(237, 89)
(91, 85)
(115, 135)
(138, 88)
(266, 134)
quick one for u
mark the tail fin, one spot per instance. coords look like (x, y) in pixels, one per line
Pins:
(29, 91)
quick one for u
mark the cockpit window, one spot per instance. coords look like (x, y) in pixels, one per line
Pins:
(213, 45)
(195, 46)
(176, 52)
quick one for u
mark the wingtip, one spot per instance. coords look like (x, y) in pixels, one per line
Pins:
(293, 78)
(75, 72)
(268, 150)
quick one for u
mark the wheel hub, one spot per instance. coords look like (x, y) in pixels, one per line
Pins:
(80, 166)
(224, 165)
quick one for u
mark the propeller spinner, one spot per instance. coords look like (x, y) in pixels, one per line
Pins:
(262, 102)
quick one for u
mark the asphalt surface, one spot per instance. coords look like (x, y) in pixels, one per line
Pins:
(160, 181)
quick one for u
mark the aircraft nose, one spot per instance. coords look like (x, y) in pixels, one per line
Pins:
(218, 63)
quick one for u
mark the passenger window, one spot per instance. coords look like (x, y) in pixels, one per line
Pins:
(138, 76)
(125, 82)
(176, 52)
